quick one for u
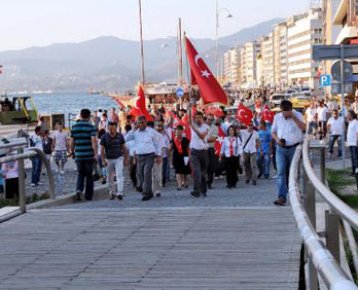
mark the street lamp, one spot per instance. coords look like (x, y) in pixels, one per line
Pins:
(229, 15)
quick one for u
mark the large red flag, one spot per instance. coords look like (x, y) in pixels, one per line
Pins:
(210, 89)
(244, 114)
(267, 114)
(140, 104)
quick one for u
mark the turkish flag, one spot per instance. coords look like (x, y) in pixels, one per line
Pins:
(219, 141)
(187, 130)
(244, 114)
(268, 115)
(210, 89)
(135, 112)
(140, 104)
(217, 112)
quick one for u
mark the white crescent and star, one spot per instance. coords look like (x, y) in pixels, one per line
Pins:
(196, 59)
(240, 116)
(204, 73)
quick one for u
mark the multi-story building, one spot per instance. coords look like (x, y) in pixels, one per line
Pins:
(303, 31)
(232, 66)
(268, 68)
(346, 18)
(280, 55)
(251, 50)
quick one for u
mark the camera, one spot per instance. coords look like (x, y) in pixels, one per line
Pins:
(283, 142)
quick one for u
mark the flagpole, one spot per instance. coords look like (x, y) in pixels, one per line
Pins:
(180, 55)
(141, 42)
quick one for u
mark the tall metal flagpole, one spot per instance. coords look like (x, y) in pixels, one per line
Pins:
(141, 42)
(180, 52)
(216, 38)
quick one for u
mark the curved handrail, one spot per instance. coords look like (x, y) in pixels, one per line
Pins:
(51, 179)
(321, 258)
(337, 205)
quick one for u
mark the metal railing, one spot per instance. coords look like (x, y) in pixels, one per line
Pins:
(20, 144)
(322, 259)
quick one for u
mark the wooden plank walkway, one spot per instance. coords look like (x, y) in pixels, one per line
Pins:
(212, 248)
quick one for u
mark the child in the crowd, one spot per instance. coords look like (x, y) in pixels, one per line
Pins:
(10, 174)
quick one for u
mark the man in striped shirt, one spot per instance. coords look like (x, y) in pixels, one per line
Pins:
(84, 147)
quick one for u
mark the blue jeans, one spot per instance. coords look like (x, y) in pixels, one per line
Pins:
(354, 157)
(283, 160)
(36, 169)
(263, 164)
(332, 140)
(85, 169)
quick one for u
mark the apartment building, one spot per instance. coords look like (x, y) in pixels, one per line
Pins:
(303, 31)
(268, 64)
(250, 52)
(232, 61)
(346, 18)
(280, 55)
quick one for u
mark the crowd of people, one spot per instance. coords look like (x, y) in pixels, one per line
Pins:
(194, 142)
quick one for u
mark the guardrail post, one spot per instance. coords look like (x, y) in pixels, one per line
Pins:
(323, 164)
(312, 281)
(332, 234)
(22, 191)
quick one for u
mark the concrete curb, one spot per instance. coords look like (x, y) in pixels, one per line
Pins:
(9, 212)
(100, 193)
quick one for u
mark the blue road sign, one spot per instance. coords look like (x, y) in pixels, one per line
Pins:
(180, 92)
(325, 80)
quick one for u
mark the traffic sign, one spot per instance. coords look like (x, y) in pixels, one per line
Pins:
(325, 80)
(321, 52)
(336, 70)
(180, 92)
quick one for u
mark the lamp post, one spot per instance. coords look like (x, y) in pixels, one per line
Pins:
(229, 15)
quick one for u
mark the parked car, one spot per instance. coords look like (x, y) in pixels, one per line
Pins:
(276, 99)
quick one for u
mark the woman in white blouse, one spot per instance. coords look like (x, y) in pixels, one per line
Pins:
(230, 151)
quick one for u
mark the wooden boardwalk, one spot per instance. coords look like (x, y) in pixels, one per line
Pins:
(189, 248)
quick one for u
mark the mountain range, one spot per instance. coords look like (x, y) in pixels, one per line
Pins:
(107, 63)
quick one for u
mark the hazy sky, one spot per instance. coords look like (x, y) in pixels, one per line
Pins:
(26, 23)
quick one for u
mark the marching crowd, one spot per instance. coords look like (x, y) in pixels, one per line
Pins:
(203, 143)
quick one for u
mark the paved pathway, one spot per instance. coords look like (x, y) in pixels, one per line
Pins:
(207, 248)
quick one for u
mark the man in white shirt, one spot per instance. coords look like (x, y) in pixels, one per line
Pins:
(322, 111)
(352, 139)
(251, 143)
(147, 151)
(311, 118)
(199, 152)
(287, 130)
(335, 126)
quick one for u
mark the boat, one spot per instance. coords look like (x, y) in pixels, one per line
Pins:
(17, 110)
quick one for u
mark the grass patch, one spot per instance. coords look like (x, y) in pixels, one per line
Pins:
(29, 199)
(337, 181)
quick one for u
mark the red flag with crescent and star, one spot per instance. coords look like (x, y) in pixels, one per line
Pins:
(267, 114)
(210, 89)
(244, 114)
(219, 141)
(140, 104)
